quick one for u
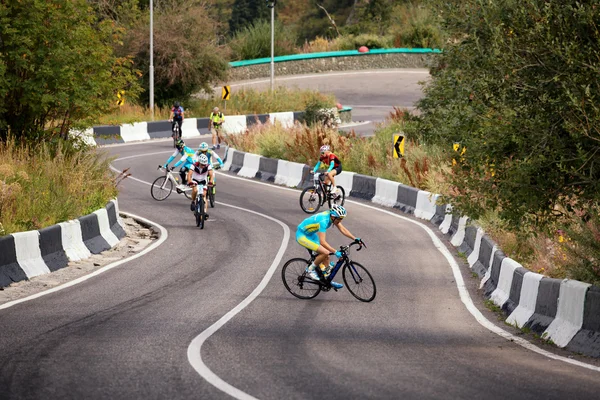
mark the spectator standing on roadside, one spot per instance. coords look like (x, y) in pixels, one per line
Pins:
(215, 125)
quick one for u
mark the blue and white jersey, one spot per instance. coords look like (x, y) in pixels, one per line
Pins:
(316, 223)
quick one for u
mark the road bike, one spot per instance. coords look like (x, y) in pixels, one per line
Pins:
(199, 213)
(313, 197)
(176, 135)
(163, 185)
(357, 279)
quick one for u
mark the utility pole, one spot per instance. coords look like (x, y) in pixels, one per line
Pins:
(152, 59)
(271, 5)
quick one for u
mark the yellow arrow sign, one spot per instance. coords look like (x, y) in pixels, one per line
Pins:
(225, 94)
(398, 145)
(121, 97)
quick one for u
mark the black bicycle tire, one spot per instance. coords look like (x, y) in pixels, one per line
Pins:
(318, 203)
(198, 216)
(211, 197)
(155, 184)
(202, 214)
(353, 292)
(289, 289)
(343, 197)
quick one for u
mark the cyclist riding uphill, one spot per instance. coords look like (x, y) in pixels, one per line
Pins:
(187, 159)
(176, 116)
(334, 166)
(311, 235)
(200, 173)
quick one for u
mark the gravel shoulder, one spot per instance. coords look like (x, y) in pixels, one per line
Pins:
(138, 237)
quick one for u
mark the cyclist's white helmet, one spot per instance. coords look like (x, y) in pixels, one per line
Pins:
(203, 159)
(203, 146)
(325, 148)
(337, 211)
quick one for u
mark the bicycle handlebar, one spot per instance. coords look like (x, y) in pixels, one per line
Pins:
(344, 249)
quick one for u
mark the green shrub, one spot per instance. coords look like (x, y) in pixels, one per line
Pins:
(255, 41)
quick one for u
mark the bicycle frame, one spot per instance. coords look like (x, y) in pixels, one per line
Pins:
(169, 175)
(345, 259)
(319, 184)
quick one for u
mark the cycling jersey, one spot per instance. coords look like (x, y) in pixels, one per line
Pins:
(315, 223)
(217, 119)
(306, 234)
(199, 174)
(177, 112)
(187, 157)
(331, 161)
(209, 154)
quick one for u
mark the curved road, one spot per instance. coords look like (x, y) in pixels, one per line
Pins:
(125, 334)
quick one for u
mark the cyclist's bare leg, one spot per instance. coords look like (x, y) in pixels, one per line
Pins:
(331, 176)
(323, 256)
(194, 193)
(205, 202)
(213, 130)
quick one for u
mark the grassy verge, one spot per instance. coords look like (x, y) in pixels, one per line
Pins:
(243, 102)
(50, 183)
(425, 167)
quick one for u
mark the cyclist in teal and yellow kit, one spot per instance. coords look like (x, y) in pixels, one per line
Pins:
(311, 235)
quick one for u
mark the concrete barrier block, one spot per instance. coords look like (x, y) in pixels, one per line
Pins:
(527, 301)
(267, 169)
(345, 180)
(425, 208)
(468, 244)
(487, 270)
(363, 187)
(72, 239)
(135, 132)
(492, 283)
(10, 271)
(52, 249)
(90, 232)
(105, 230)
(459, 235)
(289, 173)
(286, 119)
(250, 166)
(189, 128)
(114, 220)
(587, 340)
(474, 256)
(407, 198)
(29, 256)
(237, 161)
(234, 124)
(228, 160)
(446, 223)
(569, 316)
(507, 271)
(386, 192)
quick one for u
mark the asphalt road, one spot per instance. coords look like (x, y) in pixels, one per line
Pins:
(126, 334)
(372, 94)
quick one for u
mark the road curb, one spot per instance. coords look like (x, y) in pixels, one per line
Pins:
(24, 255)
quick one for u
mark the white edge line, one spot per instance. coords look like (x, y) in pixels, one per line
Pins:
(195, 347)
(163, 237)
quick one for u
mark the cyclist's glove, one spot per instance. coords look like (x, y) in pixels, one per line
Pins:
(338, 254)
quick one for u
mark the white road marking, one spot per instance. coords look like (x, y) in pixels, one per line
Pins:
(163, 237)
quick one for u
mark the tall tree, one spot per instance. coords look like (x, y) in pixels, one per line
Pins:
(246, 12)
(57, 67)
(519, 89)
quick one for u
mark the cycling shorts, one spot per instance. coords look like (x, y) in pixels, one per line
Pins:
(310, 241)
(338, 169)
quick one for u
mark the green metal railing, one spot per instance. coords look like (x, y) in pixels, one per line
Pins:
(308, 56)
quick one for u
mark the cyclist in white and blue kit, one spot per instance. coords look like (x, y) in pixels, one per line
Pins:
(187, 159)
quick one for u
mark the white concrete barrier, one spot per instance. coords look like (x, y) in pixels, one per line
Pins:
(234, 124)
(72, 240)
(527, 300)
(569, 316)
(474, 256)
(29, 255)
(459, 235)
(251, 165)
(289, 173)
(104, 224)
(507, 271)
(134, 132)
(189, 128)
(386, 192)
(425, 208)
(286, 119)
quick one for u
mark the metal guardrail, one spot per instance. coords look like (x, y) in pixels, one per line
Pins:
(348, 53)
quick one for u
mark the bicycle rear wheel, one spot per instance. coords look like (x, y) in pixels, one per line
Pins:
(359, 281)
(200, 213)
(310, 200)
(161, 188)
(295, 280)
(211, 196)
(340, 197)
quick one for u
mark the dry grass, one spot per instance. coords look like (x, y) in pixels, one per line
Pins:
(48, 184)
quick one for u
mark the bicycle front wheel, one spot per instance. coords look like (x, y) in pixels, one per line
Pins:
(161, 188)
(310, 200)
(359, 281)
(295, 280)
(337, 198)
